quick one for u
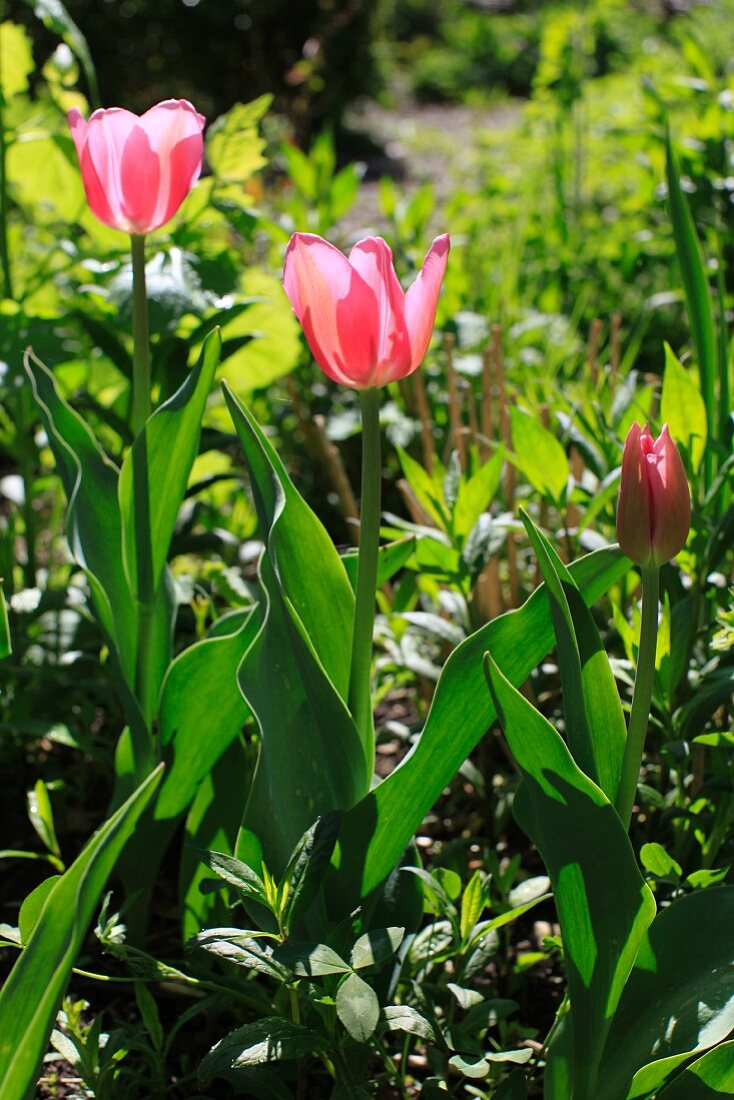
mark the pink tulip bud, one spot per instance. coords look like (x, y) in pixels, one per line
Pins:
(362, 328)
(654, 509)
(138, 170)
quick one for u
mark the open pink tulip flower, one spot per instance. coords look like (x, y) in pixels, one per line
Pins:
(654, 508)
(363, 329)
(138, 170)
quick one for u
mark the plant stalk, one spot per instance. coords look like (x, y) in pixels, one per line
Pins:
(360, 698)
(4, 255)
(642, 696)
(141, 339)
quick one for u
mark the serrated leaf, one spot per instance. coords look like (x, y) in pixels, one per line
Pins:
(358, 1008)
(234, 148)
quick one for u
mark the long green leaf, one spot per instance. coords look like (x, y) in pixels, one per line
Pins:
(679, 999)
(604, 905)
(698, 297)
(6, 647)
(32, 993)
(294, 676)
(595, 727)
(307, 567)
(160, 461)
(377, 831)
(201, 712)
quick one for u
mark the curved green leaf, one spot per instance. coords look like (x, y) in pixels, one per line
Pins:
(604, 905)
(32, 993)
(377, 831)
(679, 999)
(157, 468)
(708, 1078)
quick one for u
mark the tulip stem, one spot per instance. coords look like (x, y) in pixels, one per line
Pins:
(642, 696)
(141, 340)
(360, 696)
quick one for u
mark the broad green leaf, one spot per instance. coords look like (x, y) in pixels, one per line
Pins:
(679, 999)
(31, 995)
(310, 960)
(211, 824)
(6, 646)
(266, 335)
(378, 830)
(234, 148)
(45, 177)
(473, 902)
(698, 298)
(538, 454)
(603, 913)
(475, 494)
(157, 468)
(16, 59)
(295, 675)
(310, 574)
(358, 1008)
(390, 559)
(375, 947)
(683, 409)
(595, 726)
(273, 1039)
(659, 863)
(41, 816)
(407, 1019)
(707, 1078)
(201, 712)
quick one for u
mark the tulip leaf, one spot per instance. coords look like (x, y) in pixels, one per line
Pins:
(31, 995)
(707, 1078)
(295, 674)
(683, 409)
(201, 712)
(595, 726)
(376, 832)
(679, 999)
(157, 468)
(603, 916)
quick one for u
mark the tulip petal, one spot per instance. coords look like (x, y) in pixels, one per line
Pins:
(633, 507)
(421, 299)
(372, 258)
(174, 130)
(107, 133)
(670, 499)
(336, 307)
(140, 178)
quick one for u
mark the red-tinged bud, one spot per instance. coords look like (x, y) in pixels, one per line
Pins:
(654, 509)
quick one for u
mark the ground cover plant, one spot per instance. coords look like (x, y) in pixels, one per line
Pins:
(423, 788)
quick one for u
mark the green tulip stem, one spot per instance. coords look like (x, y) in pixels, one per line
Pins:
(141, 340)
(360, 696)
(642, 696)
(145, 687)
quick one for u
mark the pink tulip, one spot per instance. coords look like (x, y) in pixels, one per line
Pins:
(654, 509)
(363, 329)
(138, 170)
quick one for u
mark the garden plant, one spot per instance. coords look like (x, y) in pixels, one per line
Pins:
(423, 788)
